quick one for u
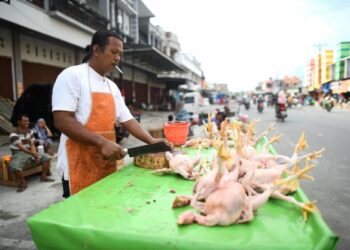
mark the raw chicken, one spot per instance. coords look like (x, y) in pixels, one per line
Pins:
(225, 206)
(241, 180)
(181, 164)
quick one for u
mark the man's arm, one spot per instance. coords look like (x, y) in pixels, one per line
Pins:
(26, 150)
(67, 123)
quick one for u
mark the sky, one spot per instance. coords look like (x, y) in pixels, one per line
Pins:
(243, 42)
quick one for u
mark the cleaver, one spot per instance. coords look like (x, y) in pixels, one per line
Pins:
(146, 149)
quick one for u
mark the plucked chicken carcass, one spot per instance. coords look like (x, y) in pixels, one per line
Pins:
(181, 164)
(230, 204)
(241, 180)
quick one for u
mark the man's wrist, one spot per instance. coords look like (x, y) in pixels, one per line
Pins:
(150, 140)
(99, 141)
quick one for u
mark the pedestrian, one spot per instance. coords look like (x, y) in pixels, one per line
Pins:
(180, 112)
(86, 106)
(24, 153)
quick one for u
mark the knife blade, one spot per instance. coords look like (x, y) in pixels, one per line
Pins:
(146, 149)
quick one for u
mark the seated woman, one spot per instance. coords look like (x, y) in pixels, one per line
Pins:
(43, 135)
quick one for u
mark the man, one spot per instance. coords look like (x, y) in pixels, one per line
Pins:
(24, 153)
(86, 106)
(180, 112)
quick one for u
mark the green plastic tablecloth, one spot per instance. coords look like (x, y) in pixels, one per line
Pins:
(131, 209)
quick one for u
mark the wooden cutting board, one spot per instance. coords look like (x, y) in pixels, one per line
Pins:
(151, 161)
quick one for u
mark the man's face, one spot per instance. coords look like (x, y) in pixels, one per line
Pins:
(23, 122)
(111, 55)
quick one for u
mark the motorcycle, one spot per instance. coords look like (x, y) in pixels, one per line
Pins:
(247, 105)
(281, 111)
(328, 105)
(260, 106)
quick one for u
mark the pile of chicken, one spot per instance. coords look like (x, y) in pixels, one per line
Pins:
(238, 181)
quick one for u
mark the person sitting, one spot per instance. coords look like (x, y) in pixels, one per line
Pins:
(43, 135)
(24, 153)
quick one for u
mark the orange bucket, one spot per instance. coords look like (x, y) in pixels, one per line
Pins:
(176, 132)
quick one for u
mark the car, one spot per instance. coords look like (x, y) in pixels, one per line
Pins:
(35, 101)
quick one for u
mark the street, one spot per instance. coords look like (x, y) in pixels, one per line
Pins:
(322, 129)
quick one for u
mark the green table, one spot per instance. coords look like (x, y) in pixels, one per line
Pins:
(131, 209)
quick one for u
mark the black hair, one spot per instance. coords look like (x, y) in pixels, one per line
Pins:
(101, 39)
(20, 116)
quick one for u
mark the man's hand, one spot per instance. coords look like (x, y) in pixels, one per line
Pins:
(112, 151)
(155, 140)
(36, 157)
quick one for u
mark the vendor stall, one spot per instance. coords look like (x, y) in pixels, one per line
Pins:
(131, 209)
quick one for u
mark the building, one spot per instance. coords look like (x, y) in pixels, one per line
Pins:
(269, 86)
(41, 38)
(341, 52)
(309, 73)
(327, 59)
(144, 58)
(317, 72)
(38, 39)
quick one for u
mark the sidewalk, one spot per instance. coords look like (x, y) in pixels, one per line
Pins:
(15, 207)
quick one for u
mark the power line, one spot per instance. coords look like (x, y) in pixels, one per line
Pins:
(320, 46)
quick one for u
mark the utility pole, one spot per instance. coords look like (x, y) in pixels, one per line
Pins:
(319, 46)
(318, 72)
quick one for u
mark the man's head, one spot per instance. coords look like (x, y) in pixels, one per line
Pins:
(105, 50)
(23, 121)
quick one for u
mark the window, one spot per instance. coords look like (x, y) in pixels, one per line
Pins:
(126, 24)
(189, 99)
(2, 42)
(28, 48)
(39, 3)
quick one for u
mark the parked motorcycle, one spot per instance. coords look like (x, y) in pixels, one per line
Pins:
(281, 111)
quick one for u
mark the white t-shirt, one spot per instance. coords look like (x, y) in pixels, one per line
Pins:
(71, 92)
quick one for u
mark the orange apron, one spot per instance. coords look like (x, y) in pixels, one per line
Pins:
(86, 163)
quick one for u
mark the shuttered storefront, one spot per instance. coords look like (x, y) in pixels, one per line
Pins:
(141, 93)
(155, 96)
(39, 73)
(6, 88)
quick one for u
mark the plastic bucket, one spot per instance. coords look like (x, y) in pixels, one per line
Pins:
(176, 132)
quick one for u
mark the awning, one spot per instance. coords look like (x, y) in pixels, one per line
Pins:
(310, 88)
(150, 56)
(335, 87)
(344, 86)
